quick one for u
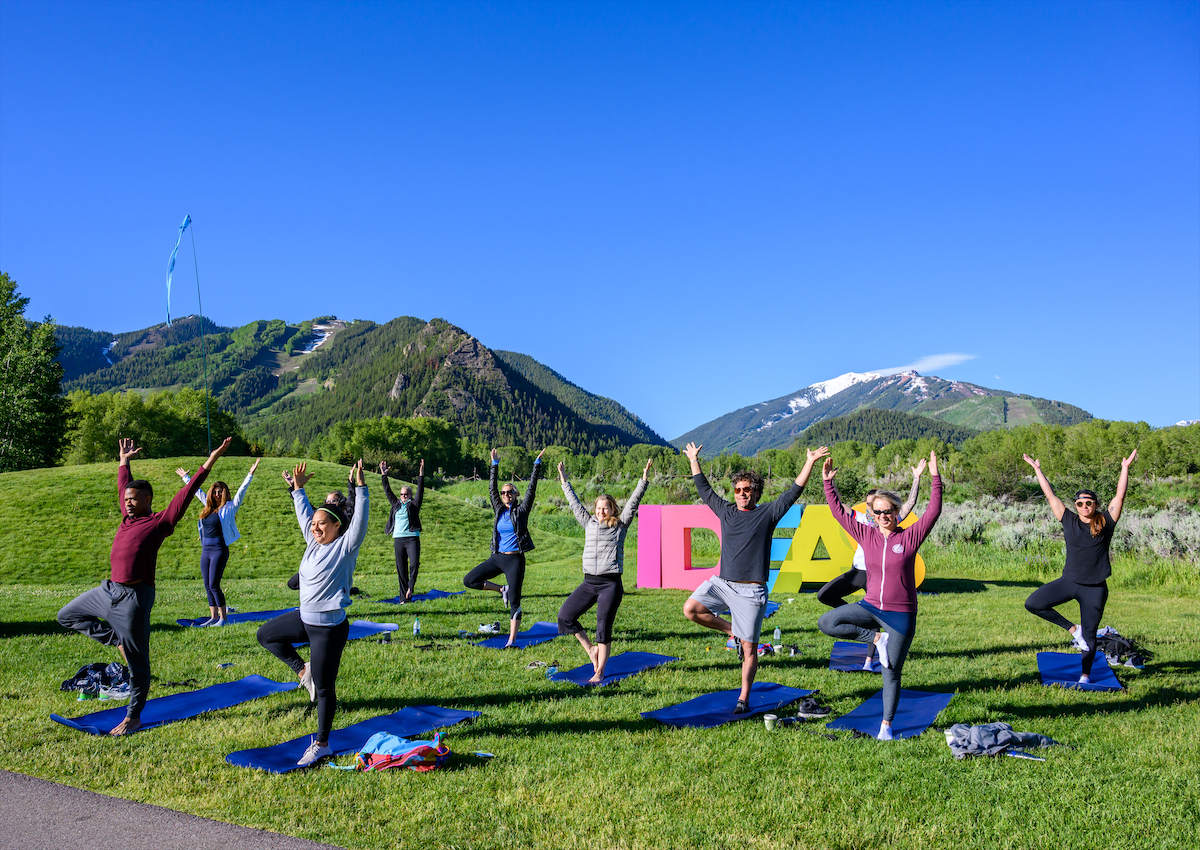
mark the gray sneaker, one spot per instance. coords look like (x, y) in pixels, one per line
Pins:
(306, 682)
(314, 753)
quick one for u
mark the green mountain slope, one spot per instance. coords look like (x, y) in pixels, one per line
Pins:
(881, 427)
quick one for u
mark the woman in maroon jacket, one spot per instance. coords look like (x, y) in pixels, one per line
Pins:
(886, 617)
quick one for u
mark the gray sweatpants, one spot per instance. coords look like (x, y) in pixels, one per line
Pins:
(118, 614)
(857, 622)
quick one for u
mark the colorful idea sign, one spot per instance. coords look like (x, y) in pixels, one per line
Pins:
(665, 547)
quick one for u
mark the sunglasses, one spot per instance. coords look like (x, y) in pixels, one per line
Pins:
(743, 489)
(1084, 503)
(883, 513)
(508, 492)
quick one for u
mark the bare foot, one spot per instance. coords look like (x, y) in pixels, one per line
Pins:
(127, 726)
(596, 679)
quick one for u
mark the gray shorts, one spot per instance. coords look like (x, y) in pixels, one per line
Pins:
(746, 602)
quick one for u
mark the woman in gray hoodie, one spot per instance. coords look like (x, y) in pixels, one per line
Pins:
(326, 574)
(603, 562)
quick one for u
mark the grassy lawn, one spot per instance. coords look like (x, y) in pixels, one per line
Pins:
(577, 768)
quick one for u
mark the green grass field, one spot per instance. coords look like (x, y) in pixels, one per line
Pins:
(577, 768)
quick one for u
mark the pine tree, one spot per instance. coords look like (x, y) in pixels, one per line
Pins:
(34, 424)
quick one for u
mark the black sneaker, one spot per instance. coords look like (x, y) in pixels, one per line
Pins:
(741, 652)
(810, 709)
(741, 708)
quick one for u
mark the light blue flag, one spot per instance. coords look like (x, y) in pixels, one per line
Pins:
(187, 219)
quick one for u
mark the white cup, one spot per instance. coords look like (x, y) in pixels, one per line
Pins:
(771, 720)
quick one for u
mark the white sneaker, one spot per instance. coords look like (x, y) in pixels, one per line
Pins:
(1077, 639)
(504, 595)
(306, 682)
(314, 753)
(885, 733)
(881, 645)
(870, 657)
(220, 623)
(210, 621)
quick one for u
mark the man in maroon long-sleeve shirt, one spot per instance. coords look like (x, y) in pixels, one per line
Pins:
(117, 613)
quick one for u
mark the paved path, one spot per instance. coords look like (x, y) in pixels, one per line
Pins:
(41, 815)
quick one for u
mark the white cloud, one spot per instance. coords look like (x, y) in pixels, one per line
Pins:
(928, 364)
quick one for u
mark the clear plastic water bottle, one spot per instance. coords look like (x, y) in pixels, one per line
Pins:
(416, 627)
(778, 635)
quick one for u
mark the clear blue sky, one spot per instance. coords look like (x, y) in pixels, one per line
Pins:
(686, 207)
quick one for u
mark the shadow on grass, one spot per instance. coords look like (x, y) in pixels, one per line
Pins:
(30, 628)
(952, 585)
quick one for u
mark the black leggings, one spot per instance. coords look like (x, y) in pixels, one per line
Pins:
(212, 567)
(860, 621)
(512, 567)
(848, 582)
(325, 643)
(1091, 599)
(408, 562)
(607, 591)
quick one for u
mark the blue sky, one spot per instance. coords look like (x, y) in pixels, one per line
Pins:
(686, 207)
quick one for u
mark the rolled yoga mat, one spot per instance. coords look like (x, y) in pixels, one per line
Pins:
(240, 617)
(849, 657)
(168, 709)
(915, 713)
(426, 596)
(619, 667)
(709, 710)
(406, 723)
(539, 632)
(362, 629)
(1064, 669)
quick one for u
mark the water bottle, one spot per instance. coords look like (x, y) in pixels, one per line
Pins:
(417, 627)
(777, 636)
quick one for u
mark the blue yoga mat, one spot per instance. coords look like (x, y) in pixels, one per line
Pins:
(426, 596)
(915, 713)
(168, 709)
(362, 629)
(240, 617)
(539, 632)
(406, 723)
(705, 712)
(772, 607)
(849, 657)
(618, 667)
(1061, 668)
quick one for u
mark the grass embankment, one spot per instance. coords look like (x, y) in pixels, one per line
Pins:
(578, 768)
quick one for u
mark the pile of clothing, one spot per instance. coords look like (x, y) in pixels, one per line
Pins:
(100, 680)
(384, 750)
(1120, 651)
(992, 739)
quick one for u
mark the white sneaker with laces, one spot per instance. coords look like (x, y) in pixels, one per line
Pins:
(1077, 639)
(306, 682)
(314, 753)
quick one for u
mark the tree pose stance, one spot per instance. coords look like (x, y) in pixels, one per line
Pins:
(326, 575)
(741, 586)
(855, 578)
(404, 527)
(218, 531)
(603, 562)
(886, 618)
(117, 613)
(1088, 535)
(510, 542)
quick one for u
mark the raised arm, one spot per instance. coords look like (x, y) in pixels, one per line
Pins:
(126, 452)
(178, 507)
(638, 492)
(911, 502)
(493, 482)
(1056, 504)
(358, 523)
(387, 488)
(924, 525)
(420, 484)
(183, 474)
(813, 456)
(304, 510)
(240, 495)
(1118, 502)
(845, 518)
(531, 490)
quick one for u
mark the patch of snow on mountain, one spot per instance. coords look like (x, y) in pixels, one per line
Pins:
(104, 351)
(818, 392)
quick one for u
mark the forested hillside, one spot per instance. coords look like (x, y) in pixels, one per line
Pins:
(880, 427)
(287, 397)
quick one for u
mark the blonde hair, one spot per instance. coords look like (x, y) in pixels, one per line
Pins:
(614, 518)
(889, 497)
